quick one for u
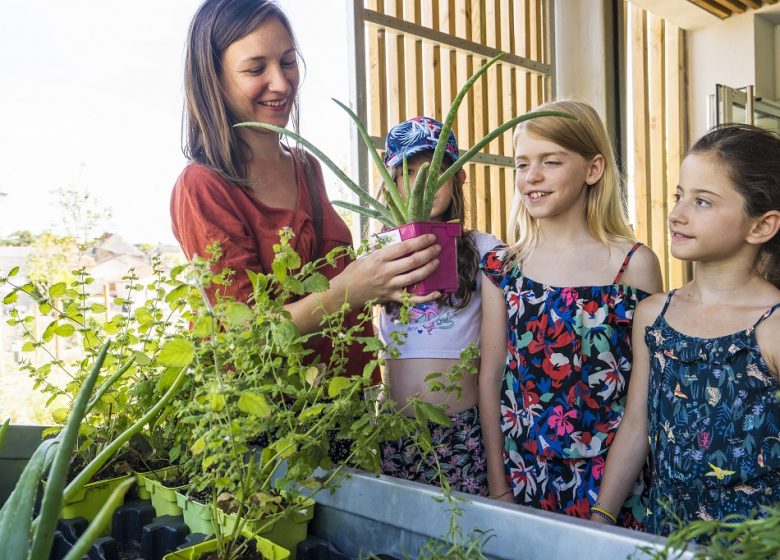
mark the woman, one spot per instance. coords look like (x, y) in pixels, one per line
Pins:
(242, 184)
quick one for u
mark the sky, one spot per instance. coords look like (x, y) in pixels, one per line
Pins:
(91, 99)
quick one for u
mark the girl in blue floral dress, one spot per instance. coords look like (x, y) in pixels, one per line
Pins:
(704, 387)
(556, 354)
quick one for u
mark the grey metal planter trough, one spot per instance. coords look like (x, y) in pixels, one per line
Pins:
(381, 514)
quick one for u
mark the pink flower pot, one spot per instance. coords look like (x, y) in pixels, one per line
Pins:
(445, 278)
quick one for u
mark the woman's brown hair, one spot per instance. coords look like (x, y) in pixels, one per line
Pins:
(208, 134)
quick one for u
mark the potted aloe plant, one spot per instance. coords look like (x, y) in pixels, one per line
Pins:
(408, 212)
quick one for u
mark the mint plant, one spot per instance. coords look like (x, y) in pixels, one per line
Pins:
(141, 363)
(263, 410)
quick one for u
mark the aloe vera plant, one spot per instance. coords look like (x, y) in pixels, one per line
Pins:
(23, 537)
(399, 209)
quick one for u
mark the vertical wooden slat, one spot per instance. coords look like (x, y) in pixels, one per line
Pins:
(640, 114)
(657, 139)
(675, 141)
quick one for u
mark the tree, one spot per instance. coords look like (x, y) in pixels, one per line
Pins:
(21, 238)
(83, 217)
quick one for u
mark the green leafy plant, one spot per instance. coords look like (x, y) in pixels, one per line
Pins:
(28, 537)
(731, 538)
(141, 362)
(264, 410)
(399, 209)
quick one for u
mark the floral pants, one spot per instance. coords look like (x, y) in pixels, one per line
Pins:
(458, 450)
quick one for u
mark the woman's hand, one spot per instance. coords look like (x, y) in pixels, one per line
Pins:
(383, 274)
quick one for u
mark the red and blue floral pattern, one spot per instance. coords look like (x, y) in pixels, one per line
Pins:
(565, 384)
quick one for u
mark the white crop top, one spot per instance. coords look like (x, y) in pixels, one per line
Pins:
(436, 331)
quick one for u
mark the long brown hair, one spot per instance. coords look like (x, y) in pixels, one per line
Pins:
(208, 134)
(751, 155)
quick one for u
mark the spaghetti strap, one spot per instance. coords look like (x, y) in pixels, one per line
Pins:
(667, 302)
(623, 266)
(766, 314)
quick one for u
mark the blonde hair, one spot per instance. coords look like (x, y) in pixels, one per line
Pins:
(605, 210)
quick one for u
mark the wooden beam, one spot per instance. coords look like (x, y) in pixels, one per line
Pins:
(755, 4)
(712, 7)
(735, 6)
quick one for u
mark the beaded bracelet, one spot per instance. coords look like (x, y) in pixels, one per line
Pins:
(604, 513)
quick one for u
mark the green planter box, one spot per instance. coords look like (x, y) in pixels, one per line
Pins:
(197, 516)
(164, 498)
(20, 442)
(157, 474)
(88, 501)
(266, 547)
(287, 531)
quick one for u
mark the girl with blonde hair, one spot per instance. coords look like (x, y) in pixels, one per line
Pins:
(556, 354)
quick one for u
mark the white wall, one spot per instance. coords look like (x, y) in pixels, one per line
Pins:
(580, 53)
(723, 53)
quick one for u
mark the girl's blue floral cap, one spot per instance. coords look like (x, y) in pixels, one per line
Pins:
(416, 135)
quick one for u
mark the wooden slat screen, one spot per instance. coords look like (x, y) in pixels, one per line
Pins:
(419, 52)
(657, 90)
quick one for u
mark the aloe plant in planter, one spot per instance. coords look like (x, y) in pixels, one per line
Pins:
(399, 209)
(24, 536)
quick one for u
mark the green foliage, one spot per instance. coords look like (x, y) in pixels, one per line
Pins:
(82, 216)
(400, 208)
(733, 537)
(28, 537)
(263, 410)
(256, 411)
(21, 238)
(145, 356)
(52, 261)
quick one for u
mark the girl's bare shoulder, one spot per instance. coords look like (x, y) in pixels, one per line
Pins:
(643, 270)
(649, 309)
(768, 337)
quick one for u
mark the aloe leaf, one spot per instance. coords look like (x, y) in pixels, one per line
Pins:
(438, 153)
(362, 210)
(97, 463)
(17, 512)
(82, 546)
(417, 211)
(108, 383)
(362, 194)
(4, 431)
(53, 495)
(465, 158)
(392, 188)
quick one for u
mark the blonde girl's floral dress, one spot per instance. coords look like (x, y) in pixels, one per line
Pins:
(714, 425)
(566, 377)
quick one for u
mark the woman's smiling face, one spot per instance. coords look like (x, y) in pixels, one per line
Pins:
(259, 76)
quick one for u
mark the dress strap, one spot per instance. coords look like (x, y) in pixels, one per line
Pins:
(667, 302)
(766, 314)
(623, 266)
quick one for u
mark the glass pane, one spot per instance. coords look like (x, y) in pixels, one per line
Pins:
(765, 120)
